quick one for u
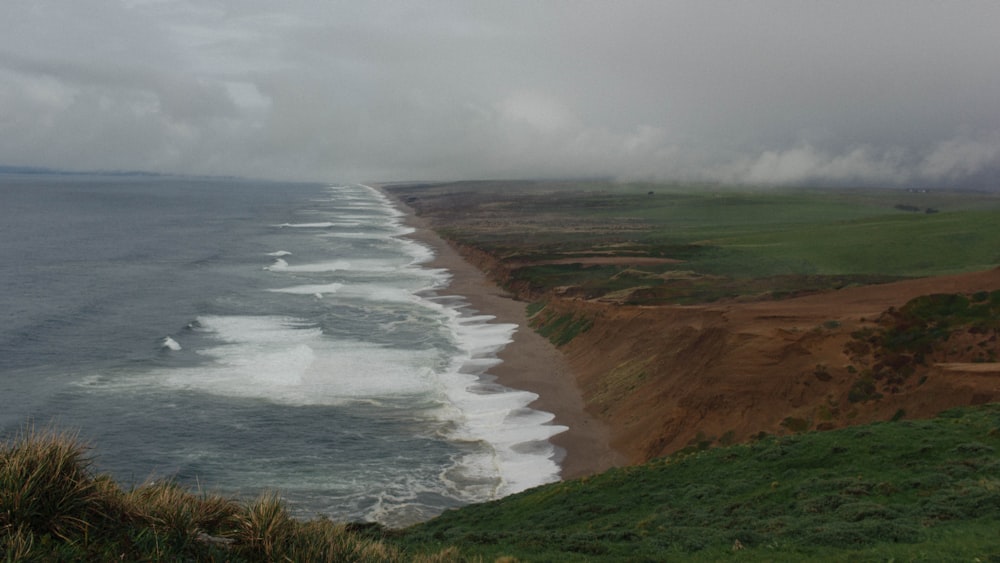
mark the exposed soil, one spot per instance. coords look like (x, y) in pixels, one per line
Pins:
(666, 378)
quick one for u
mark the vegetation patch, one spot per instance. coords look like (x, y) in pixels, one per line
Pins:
(796, 424)
(622, 380)
(560, 328)
(903, 490)
(730, 243)
(926, 330)
(53, 507)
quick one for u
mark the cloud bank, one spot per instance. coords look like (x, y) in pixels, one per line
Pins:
(896, 93)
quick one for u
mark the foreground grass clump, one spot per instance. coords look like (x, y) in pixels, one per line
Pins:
(905, 490)
(53, 507)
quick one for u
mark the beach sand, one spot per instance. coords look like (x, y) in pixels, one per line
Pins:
(530, 362)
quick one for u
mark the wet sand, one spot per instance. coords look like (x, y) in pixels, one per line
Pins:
(530, 362)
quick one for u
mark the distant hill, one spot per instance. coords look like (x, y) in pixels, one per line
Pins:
(30, 170)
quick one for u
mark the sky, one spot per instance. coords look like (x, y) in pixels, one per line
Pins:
(883, 92)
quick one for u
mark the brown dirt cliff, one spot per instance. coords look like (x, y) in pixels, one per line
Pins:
(667, 378)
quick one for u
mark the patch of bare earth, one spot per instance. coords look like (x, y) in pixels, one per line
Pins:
(669, 377)
(992, 368)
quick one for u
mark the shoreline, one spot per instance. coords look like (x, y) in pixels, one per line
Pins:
(529, 362)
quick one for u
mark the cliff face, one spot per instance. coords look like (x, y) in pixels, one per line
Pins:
(670, 377)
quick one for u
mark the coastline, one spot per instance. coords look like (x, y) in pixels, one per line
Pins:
(530, 362)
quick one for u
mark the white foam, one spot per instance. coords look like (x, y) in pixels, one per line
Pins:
(521, 455)
(370, 292)
(359, 235)
(370, 235)
(170, 344)
(498, 415)
(323, 225)
(277, 266)
(354, 265)
(279, 253)
(287, 361)
(518, 455)
(311, 289)
(482, 337)
(421, 253)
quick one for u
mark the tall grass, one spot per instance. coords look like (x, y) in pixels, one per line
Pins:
(54, 507)
(264, 527)
(46, 487)
(170, 519)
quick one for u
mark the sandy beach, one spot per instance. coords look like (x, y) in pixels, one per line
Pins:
(530, 362)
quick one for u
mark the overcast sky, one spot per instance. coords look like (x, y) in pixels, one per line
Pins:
(862, 92)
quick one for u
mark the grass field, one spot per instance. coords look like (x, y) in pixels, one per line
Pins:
(906, 490)
(727, 242)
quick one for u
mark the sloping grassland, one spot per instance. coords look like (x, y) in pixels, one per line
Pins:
(909, 490)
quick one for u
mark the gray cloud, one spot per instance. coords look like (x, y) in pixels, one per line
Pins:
(889, 93)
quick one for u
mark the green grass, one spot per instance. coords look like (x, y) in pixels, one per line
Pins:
(731, 242)
(900, 245)
(560, 329)
(818, 232)
(901, 490)
(906, 490)
(930, 329)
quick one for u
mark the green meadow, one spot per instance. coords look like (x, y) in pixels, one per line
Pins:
(907, 491)
(730, 242)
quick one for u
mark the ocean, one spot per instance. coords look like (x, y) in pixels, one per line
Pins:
(240, 336)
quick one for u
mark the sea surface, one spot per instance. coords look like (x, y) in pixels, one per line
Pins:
(241, 336)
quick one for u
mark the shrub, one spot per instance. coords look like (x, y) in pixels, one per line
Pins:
(862, 533)
(176, 517)
(53, 508)
(46, 486)
(264, 526)
(796, 424)
(863, 390)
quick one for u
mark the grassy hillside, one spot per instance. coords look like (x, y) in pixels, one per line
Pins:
(906, 490)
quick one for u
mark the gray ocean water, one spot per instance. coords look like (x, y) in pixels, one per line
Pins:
(239, 336)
